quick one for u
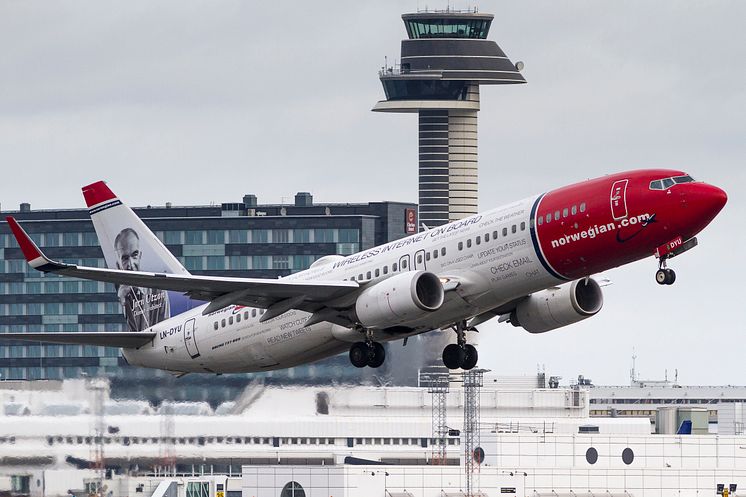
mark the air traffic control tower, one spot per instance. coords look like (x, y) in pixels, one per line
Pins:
(443, 63)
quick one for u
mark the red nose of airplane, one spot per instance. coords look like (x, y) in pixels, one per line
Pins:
(706, 201)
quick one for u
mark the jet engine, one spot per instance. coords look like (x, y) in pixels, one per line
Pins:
(399, 299)
(558, 306)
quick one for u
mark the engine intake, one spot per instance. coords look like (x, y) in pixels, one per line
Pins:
(399, 299)
(557, 307)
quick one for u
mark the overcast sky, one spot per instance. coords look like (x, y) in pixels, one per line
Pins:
(203, 101)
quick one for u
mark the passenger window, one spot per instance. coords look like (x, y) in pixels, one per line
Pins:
(419, 258)
(238, 318)
(352, 278)
(404, 264)
(556, 215)
(513, 229)
(461, 245)
(435, 254)
(385, 270)
(443, 251)
(486, 237)
(230, 320)
(549, 217)
(253, 313)
(582, 207)
(216, 325)
(505, 231)
(479, 239)
(394, 267)
(368, 275)
(360, 277)
(427, 256)
(246, 315)
(667, 183)
(378, 272)
(565, 212)
(468, 243)
(494, 235)
(574, 210)
(540, 220)
(523, 226)
(222, 323)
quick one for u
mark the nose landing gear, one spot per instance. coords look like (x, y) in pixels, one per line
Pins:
(461, 354)
(664, 275)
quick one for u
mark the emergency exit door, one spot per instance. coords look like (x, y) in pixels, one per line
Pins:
(189, 339)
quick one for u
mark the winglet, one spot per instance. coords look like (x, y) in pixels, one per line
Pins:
(31, 252)
(97, 193)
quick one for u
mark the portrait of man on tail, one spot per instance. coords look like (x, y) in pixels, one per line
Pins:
(143, 307)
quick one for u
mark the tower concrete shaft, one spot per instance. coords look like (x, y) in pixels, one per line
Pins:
(448, 164)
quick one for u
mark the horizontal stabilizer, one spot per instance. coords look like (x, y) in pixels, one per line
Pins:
(124, 339)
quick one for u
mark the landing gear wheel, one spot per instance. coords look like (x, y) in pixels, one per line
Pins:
(665, 276)
(376, 355)
(453, 356)
(359, 354)
(470, 357)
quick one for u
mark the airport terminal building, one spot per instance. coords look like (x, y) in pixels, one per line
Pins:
(237, 239)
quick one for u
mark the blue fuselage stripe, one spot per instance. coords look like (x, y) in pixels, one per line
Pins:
(532, 228)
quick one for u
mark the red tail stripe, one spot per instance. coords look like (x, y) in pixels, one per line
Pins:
(28, 247)
(97, 192)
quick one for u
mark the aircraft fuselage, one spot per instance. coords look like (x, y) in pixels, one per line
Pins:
(495, 257)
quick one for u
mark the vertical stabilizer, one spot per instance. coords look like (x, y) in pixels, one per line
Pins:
(128, 244)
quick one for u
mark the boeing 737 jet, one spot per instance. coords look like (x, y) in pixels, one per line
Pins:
(529, 263)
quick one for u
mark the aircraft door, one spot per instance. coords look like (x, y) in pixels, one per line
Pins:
(619, 199)
(420, 260)
(189, 339)
(404, 263)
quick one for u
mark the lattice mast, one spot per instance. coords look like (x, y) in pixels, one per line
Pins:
(98, 389)
(437, 384)
(473, 381)
(167, 452)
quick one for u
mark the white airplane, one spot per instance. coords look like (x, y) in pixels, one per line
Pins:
(528, 263)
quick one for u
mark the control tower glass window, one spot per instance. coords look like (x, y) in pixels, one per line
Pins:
(448, 28)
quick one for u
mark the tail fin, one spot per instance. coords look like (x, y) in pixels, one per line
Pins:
(114, 221)
(129, 244)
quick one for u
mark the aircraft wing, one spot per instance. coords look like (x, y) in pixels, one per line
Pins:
(126, 340)
(277, 296)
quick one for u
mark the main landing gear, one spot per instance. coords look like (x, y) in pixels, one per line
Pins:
(367, 353)
(461, 354)
(664, 275)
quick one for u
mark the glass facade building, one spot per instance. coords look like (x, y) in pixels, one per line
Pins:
(236, 239)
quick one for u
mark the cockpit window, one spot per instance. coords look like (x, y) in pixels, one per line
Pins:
(683, 179)
(666, 183)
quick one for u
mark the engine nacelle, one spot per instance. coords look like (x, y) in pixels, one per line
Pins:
(400, 299)
(557, 307)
